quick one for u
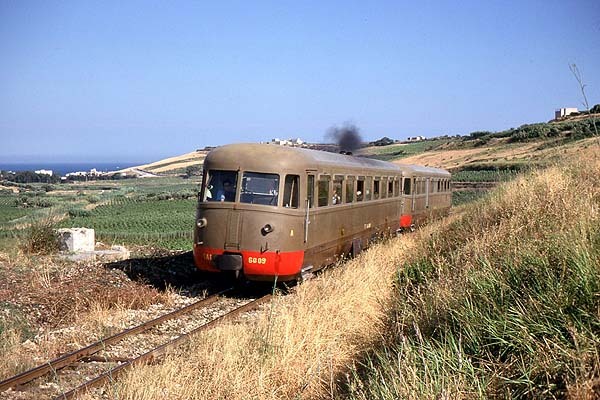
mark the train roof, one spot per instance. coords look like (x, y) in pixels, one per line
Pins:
(421, 170)
(259, 156)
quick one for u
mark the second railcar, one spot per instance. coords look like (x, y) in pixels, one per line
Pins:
(271, 212)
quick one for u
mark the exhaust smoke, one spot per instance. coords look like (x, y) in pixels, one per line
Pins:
(346, 137)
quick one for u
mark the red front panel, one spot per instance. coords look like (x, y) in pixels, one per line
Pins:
(405, 221)
(268, 263)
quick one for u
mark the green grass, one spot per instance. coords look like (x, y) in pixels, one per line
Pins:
(502, 302)
(10, 214)
(467, 196)
(484, 176)
(397, 151)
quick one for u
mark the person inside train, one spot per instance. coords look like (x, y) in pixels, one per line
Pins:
(335, 199)
(227, 193)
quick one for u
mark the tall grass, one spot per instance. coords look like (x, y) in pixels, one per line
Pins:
(295, 349)
(501, 303)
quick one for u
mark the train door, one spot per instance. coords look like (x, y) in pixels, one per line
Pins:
(413, 194)
(309, 205)
(427, 189)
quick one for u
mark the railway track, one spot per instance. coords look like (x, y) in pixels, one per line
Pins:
(108, 365)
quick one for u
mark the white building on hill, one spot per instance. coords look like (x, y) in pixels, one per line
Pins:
(563, 112)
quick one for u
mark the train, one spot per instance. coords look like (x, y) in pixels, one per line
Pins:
(267, 212)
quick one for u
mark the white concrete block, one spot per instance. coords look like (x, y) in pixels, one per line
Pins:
(76, 239)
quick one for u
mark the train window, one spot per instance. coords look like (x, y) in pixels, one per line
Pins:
(376, 189)
(290, 191)
(407, 186)
(397, 187)
(360, 188)
(323, 190)
(368, 188)
(349, 189)
(336, 196)
(258, 188)
(310, 190)
(390, 188)
(221, 185)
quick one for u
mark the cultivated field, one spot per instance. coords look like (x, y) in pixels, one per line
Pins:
(149, 211)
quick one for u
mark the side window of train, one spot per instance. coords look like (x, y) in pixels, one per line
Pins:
(390, 192)
(397, 187)
(360, 188)
(310, 190)
(368, 188)
(260, 188)
(323, 190)
(349, 189)
(336, 196)
(376, 185)
(407, 186)
(290, 191)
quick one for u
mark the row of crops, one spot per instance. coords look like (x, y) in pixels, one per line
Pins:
(164, 223)
(484, 176)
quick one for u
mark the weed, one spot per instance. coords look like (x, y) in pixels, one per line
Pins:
(41, 237)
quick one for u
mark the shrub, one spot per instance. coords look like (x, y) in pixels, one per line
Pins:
(41, 238)
(93, 199)
(78, 212)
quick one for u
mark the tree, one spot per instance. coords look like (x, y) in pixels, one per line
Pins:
(192, 170)
(577, 74)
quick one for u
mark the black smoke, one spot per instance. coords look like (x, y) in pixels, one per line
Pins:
(346, 137)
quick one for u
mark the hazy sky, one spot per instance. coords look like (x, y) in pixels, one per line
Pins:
(141, 80)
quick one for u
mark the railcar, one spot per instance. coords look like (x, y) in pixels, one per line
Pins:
(271, 212)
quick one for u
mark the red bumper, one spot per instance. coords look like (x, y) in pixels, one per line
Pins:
(255, 263)
(405, 221)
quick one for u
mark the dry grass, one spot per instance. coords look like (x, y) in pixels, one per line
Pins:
(501, 152)
(48, 307)
(296, 349)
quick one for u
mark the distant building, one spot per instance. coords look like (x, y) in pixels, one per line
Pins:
(297, 142)
(48, 172)
(415, 138)
(563, 112)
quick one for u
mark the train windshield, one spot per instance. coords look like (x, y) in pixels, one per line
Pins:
(260, 188)
(221, 185)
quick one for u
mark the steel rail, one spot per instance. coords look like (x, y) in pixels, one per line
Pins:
(93, 348)
(151, 355)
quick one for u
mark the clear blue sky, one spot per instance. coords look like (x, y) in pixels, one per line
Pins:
(141, 80)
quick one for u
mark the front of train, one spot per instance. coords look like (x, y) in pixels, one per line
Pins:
(249, 220)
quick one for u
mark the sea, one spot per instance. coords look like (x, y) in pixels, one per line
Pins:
(65, 168)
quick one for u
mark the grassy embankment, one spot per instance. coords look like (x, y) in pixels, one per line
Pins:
(503, 302)
(499, 301)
